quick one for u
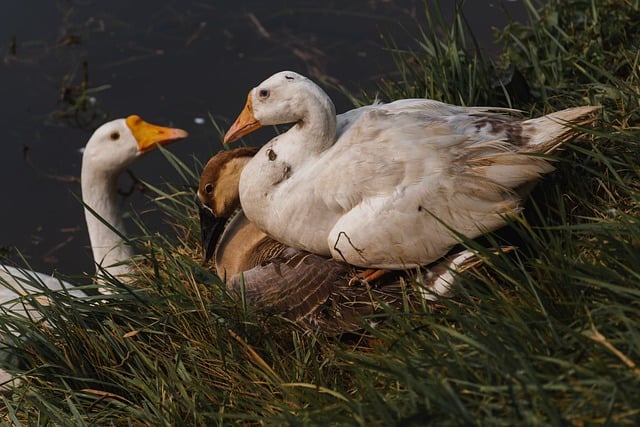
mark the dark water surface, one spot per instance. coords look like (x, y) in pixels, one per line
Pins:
(173, 62)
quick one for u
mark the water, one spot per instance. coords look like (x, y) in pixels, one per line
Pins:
(173, 62)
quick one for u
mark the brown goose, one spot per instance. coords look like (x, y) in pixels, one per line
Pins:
(316, 291)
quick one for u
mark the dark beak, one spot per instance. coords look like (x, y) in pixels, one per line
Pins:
(211, 227)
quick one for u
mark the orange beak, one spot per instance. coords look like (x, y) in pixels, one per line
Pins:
(150, 136)
(244, 124)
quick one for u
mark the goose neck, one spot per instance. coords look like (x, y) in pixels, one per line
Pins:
(99, 194)
(317, 125)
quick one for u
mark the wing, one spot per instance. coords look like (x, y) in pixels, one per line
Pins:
(407, 177)
(317, 292)
(294, 285)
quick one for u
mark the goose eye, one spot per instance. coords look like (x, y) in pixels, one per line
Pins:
(263, 93)
(208, 188)
(114, 136)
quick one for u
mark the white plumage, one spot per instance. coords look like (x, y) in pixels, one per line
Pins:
(388, 186)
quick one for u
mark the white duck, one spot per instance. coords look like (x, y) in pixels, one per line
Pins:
(111, 149)
(396, 185)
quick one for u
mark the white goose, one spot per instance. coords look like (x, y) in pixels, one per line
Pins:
(111, 149)
(387, 189)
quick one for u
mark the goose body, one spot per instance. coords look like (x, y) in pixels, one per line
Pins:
(15, 283)
(394, 186)
(315, 290)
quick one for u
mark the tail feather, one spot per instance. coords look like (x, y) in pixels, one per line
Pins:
(508, 169)
(545, 134)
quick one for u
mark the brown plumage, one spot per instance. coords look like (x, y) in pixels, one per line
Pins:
(316, 291)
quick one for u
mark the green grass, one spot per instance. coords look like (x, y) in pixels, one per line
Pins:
(545, 335)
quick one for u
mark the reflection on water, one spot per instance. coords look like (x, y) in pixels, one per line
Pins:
(67, 66)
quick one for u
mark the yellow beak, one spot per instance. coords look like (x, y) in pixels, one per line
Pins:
(244, 124)
(150, 136)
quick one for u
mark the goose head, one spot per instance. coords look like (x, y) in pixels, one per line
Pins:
(285, 97)
(218, 194)
(109, 151)
(115, 145)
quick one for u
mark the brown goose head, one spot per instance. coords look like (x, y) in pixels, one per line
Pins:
(218, 196)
